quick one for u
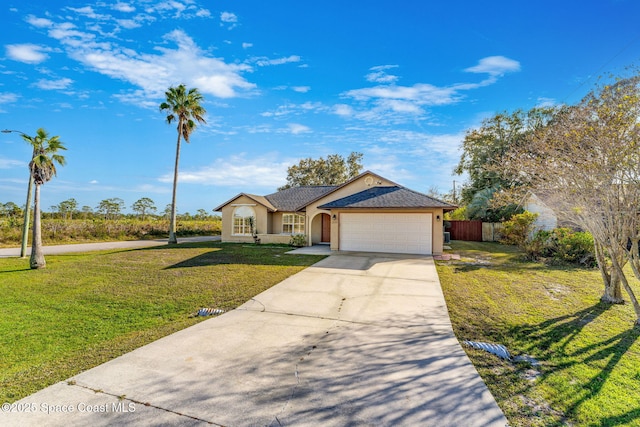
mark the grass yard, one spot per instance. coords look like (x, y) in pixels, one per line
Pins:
(589, 352)
(85, 309)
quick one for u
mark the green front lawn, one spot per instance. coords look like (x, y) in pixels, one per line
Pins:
(85, 309)
(589, 352)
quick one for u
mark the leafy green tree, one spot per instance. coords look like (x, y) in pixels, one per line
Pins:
(67, 208)
(111, 208)
(144, 206)
(87, 211)
(482, 207)
(201, 215)
(166, 213)
(10, 210)
(43, 169)
(484, 152)
(333, 170)
(184, 107)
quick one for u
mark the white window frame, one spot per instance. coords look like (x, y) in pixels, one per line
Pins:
(240, 225)
(293, 223)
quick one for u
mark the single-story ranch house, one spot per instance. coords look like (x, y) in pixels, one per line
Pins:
(367, 213)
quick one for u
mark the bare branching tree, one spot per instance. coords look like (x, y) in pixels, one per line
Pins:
(587, 164)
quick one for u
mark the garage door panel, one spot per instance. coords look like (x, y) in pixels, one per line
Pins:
(386, 232)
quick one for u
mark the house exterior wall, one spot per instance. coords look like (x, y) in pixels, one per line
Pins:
(276, 223)
(315, 229)
(547, 219)
(275, 238)
(227, 219)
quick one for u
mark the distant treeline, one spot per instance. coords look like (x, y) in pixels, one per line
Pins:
(113, 208)
(65, 223)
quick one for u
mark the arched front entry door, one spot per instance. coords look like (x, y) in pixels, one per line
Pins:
(326, 228)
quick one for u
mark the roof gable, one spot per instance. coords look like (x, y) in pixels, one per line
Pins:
(258, 199)
(387, 197)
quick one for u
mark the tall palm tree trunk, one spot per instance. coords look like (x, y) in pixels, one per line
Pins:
(172, 225)
(25, 224)
(37, 256)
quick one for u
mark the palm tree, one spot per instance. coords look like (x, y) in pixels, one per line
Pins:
(42, 168)
(184, 107)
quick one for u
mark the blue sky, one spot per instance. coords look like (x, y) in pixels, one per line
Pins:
(400, 81)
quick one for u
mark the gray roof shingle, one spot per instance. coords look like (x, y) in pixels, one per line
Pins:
(296, 198)
(387, 197)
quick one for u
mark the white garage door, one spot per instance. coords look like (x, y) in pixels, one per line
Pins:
(386, 232)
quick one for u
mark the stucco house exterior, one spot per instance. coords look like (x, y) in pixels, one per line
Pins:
(367, 213)
(547, 219)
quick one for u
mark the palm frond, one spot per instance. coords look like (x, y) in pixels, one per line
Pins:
(185, 108)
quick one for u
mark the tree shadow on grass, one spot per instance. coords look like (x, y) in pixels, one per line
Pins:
(16, 270)
(546, 335)
(237, 253)
(622, 419)
(556, 342)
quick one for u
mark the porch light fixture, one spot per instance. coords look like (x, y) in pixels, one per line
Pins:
(334, 216)
(438, 218)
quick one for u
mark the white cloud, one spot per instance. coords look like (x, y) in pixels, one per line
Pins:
(167, 6)
(7, 97)
(379, 75)
(395, 103)
(343, 110)
(28, 53)
(9, 163)
(235, 171)
(301, 89)
(228, 17)
(495, 66)
(89, 12)
(296, 129)
(39, 22)
(296, 109)
(123, 7)
(53, 84)
(398, 98)
(262, 62)
(203, 13)
(129, 24)
(247, 45)
(546, 102)
(153, 73)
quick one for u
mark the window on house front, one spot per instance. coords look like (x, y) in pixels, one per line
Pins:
(243, 216)
(293, 224)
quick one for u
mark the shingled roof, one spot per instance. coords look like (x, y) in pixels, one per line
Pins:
(387, 197)
(296, 198)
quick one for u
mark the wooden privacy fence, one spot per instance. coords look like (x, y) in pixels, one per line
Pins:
(470, 231)
(475, 231)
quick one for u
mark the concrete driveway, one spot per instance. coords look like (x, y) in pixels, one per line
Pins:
(355, 340)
